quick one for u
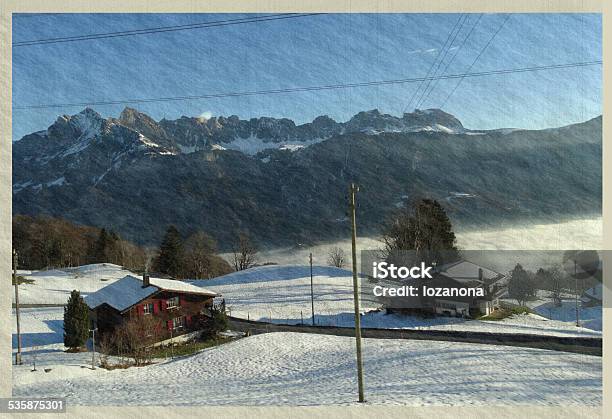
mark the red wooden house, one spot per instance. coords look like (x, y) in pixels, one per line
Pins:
(177, 307)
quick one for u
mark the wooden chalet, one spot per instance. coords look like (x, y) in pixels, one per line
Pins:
(177, 307)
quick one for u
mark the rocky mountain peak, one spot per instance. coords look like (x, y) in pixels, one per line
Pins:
(71, 128)
(132, 117)
(433, 118)
(145, 125)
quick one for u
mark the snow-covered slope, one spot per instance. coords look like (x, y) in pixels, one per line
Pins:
(299, 369)
(54, 286)
(281, 294)
(304, 369)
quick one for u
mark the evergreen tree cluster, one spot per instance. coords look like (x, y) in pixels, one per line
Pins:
(171, 253)
(108, 247)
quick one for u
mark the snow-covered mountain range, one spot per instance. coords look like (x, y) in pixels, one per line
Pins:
(286, 183)
(73, 133)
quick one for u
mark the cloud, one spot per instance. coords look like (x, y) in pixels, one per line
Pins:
(421, 51)
(205, 115)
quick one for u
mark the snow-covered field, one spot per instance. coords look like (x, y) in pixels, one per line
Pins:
(520, 323)
(54, 286)
(281, 294)
(302, 369)
(589, 317)
(306, 369)
(42, 339)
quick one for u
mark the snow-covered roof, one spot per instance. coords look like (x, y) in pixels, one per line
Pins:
(466, 271)
(179, 286)
(121, 294)
(127, 291)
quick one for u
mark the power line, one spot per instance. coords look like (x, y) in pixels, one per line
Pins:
(433, 63)
(452, 58)
(442, 59)
(29, 15)
(476, 59)
(314, 88)
(200, 25)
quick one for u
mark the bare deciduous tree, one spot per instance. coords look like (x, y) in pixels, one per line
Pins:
(556, 287)
(550, 279)
(244, 253)
(336, 257)
(135, 337)
(520, 285)
(106, 347)
(199, 248)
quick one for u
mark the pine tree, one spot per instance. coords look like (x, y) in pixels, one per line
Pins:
(76, 321)
(424, 228)
(99, 251)
(113, 249)
(170, 258)
(56, 254)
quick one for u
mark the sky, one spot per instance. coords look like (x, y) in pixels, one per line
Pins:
(311, 51)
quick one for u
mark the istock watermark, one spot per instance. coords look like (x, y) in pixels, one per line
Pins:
(385, 270)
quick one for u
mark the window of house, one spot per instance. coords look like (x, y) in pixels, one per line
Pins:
(178, 322)
(148, 308)
(172, 302)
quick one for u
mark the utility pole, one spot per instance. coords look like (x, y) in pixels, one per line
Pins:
(34, 358)
(311, 292)
(354, 189)
(18, 354)
(93, 347)
(576, 278)
(171, 343)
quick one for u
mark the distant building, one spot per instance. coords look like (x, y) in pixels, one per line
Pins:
(468, 274)
(461, 274)
(177, 306)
